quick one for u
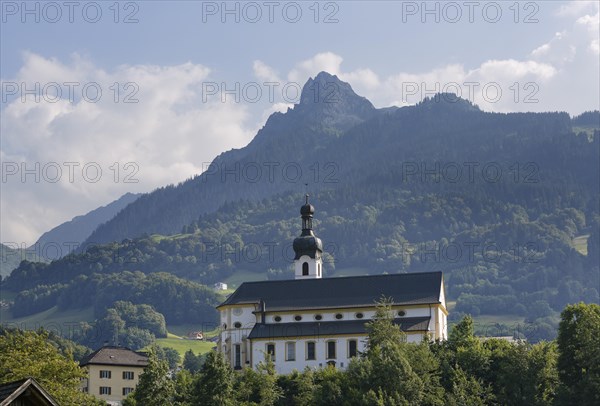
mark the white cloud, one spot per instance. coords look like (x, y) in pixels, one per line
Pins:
(363, 79)
(325, 61)
(264, 72)
(592, 25)
(576, 8)
(166, 137)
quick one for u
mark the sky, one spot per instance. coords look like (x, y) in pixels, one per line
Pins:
(104, 98)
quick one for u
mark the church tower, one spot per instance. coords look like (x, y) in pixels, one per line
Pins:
(308, 262)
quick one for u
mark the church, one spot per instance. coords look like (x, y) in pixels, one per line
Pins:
(311, 321)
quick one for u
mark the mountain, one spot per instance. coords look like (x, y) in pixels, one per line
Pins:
(268, 165)
(68, 236)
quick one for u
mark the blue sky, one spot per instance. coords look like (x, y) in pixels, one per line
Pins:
(173, 59)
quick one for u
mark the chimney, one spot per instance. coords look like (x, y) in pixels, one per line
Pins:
(263, 310)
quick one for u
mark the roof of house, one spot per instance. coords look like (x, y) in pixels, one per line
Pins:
(330, 328)
(111, 355)
(28, 387)
(355, 291)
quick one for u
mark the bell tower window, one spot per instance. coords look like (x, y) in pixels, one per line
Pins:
(305, 269)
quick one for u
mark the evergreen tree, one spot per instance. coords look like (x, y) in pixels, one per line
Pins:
(579, 355)
(192, 362)
(155, 387)
(214, 385)
(384, 373)
(269, 391)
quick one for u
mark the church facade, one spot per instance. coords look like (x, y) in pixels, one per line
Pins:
(314, 321)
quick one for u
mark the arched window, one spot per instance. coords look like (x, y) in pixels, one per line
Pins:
(305, 269)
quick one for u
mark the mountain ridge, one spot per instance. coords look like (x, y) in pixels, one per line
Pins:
(318, 138)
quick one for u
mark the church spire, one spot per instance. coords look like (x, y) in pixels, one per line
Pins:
(307, 211)
(308, 247)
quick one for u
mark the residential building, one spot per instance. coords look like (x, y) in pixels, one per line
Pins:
(113, 373)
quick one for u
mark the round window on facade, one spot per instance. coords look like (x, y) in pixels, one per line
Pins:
(359, 315)
(298, 318)
(237, 324)
(401, 313)
(318, 317)
(339, 316)
(277, 319)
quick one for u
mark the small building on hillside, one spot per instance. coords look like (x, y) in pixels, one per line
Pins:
(314, 321)
(195, 335)
(220, 286)
(113, 373)
(25, 392)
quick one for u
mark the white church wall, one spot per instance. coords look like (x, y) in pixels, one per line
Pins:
(300, 362)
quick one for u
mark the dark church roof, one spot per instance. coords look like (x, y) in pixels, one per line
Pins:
(356, 291)
(330, 328)
(25, 390)
(111, 355)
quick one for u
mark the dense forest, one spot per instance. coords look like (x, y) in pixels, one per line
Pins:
(523, 267)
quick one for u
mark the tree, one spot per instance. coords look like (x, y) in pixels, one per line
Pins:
(384, 374)
(192, 362)
(184, 382)
(155, 388)
(467, 390)
(298, 388)
(579, 357)
(214, 385)
(26, 354)
(168, 354)
(331, 387)
(269, 392)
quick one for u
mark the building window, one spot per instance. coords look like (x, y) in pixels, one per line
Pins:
(310, 350)
(128, 375)
(290, 351)
(105, 390)
(331, 349)
(318, 317)
(298, 318)
(277, 319)
(104, 374)
(305, 269)
(359, 315)
(352, 348)
(339, 316)
(127, 391)
(237, 324)
(401, 313)
(237, 356)
(271, 351)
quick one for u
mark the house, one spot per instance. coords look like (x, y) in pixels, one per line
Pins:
(195, 335)
(25, 392)
(113, 372)
(220, 286)
(314, 321)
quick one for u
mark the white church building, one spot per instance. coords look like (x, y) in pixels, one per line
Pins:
(314, 321)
